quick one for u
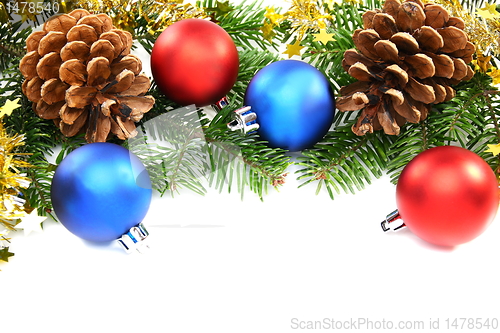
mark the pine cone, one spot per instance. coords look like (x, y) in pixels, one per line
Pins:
(79, 72)
(408, 56)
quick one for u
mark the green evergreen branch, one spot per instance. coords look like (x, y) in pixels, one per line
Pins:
(413, 139)
(173, 150)
(243, 24)
(255, 164)
(344, 161)
(41, 136)
(468, 120)
(12, 43)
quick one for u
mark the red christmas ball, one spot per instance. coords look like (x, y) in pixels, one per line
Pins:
(194, 61)
(447, 195)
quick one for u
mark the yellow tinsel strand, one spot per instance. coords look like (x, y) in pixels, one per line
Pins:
(306, 15)
(158, 14)
(11, 180)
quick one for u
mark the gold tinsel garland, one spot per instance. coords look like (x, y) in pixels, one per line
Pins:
(304, 16)
(158, 14)
(12, 181)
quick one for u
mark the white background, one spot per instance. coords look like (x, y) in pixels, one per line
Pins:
(220, 264)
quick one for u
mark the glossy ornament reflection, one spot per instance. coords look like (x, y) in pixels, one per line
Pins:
(294, 104)
(446, 196)
(100, 191)
(194, 61)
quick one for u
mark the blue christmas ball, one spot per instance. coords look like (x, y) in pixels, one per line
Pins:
(100, 191)
(294, 104)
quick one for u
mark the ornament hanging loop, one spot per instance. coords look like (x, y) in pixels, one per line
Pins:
(135, 239)
(222, 103)
(392, 222)
(243, 119)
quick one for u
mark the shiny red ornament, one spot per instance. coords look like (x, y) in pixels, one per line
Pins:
(194, 61)
(447, 195)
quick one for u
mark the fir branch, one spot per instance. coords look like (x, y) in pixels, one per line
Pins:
(413, 139)
(180, 151)
(489, 122)
(173, 150)
(243, 24)
(254, 163)
(344, 161)
(12, 42)
(40, 138)
(468, 120)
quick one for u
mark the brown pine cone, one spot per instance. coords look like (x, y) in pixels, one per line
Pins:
(408, 56)
(79, 72)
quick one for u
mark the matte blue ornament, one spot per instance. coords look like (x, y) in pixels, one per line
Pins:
(294, 103)
(100, 191)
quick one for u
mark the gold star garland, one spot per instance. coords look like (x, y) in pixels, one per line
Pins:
(158, 14)
(11, 179)
(304, 16)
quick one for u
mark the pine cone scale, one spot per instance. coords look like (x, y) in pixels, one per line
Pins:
(385, 25)
(421, 65)
(48, 111)
(436, 16)
(391, 7)
(62, 23)
(429, 39)
(121, 83)
(407, 111)
(387, 50)
(51, 42)
(79, 97)
(365, 121)
(73, 72)
(410, 17)
(388, 121)
(420, 92)
(33, 40)
(76, 127)
(103, 48)
(33, 89)
(70, 115)
(360, 72)
(399, 74)
(53, 91)
(366, 43)
(405, 43)
(84, 33)
(454, 39)
(75, 50)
